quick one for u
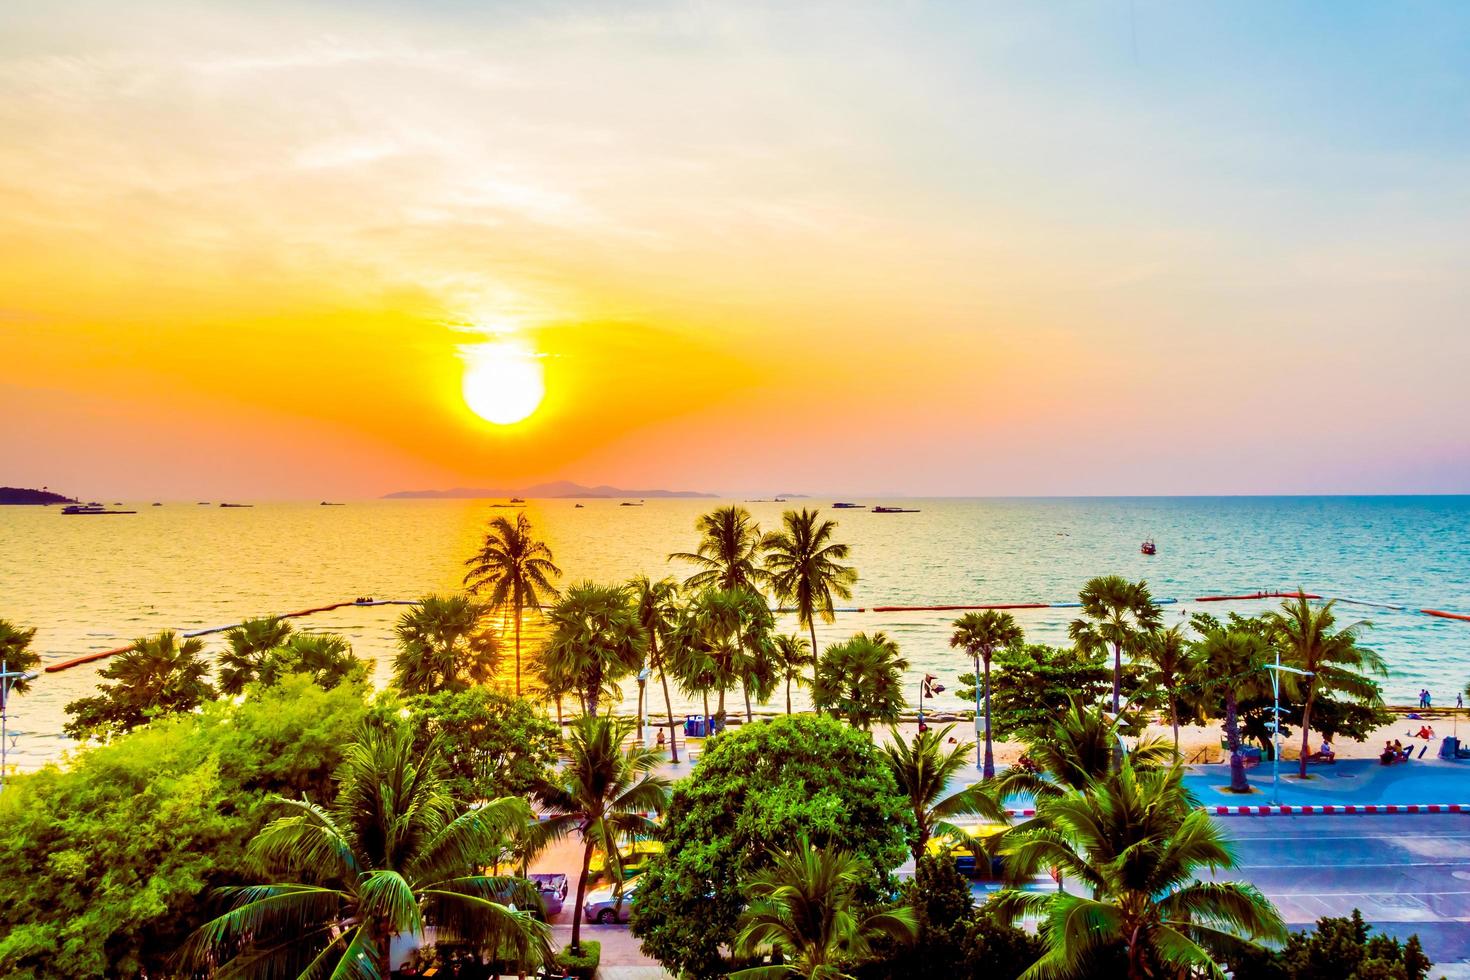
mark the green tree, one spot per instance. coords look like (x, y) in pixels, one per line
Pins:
(443, 644)
(1079, 747)
(158, 675)
(758, 786)
(793, 659)
(105, 859)
(246, 647)
(1033, 684)
(1117, 612)
(657, 608)
(756, 663)
(1137, 842)
(861, 679)
(1166, 653)
(805, 909)
(601, 796)
(16, 652)
(393, 856)
(595, 640)
(713, 648)
(490, 744)
(729, 546)
(1335, 664)
(980, 634)
(515, 569)
(804, 567)
(1337, 949)
(1232, 658)
(324, 657)
(923, 769)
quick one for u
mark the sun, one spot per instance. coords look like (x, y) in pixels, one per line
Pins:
(503, 381)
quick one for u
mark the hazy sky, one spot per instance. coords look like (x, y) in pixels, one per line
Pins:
(994, 248)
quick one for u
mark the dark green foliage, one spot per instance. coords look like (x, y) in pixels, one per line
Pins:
(491, 744)
(17, 655)
(1338, 949)
(1031, 685)
(998, 950)
(860, 680)
(756, 788)
(160, 675)
(105, 862)
(583, 966)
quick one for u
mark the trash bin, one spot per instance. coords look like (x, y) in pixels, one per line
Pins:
(694, 726)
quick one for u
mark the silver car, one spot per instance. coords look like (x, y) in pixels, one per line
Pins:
(609, 904)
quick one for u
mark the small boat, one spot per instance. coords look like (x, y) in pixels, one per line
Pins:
(328, 503)
(92, 510)
(1148, 547)
(516, 500)
(895, 510)
(578, 507)
(629, 503)
(843, 505)
(237, 505)
(157, 504)
(203, 503)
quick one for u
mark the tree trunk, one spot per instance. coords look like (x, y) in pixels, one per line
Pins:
(720, 708)
(979, 759)
(1117, 674)
(518, 648)
(1174, 720)
(989, 771)
(669, 707)
(788, 694)
(1238, 782)
(705, 693)
(576, 948)
(1307, 723)
(745, 689)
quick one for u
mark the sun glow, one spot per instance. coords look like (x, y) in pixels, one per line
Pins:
(503, 381)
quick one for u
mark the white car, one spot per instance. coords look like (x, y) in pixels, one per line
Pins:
(604, 904)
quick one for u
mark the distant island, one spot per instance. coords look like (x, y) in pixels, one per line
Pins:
(20, 495)
(559, 488)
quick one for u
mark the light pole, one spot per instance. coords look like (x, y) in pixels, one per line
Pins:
(1276, 670)
(7, 676)
(642, 680)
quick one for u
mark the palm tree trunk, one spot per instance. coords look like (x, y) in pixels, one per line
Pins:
(989, 771)
(720, 708)
(576, 948)
(745, 689)
(1307, 724)
(1238, 782)
(705, 693)
(788, 694)
(1174, 720)
(669, 707)
(518, 649)
(1117, 674)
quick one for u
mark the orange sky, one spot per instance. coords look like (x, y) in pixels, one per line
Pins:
(756, 250)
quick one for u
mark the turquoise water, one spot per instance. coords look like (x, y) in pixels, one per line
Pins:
(92, 583)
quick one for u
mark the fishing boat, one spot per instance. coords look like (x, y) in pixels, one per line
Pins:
(844, 505)
(237, 505)
(895, 510)
(1148, 547)
(92, 510)
(330, 503)
(516, 500)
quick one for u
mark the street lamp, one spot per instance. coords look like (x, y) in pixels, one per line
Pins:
(927, 687)
(642, 680)
(1276, 670)
(7, 678)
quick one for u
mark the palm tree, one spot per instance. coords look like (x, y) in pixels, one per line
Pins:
(1079, 748)
(392, 857)
(245, 651)
(1167, 653)
(728, 547)
(1138, 842)
(696, 659)
(516, 569)
(657, 608)
(862, 679)
(981, 635)
(18, 657)
(1331, 657)
(601, 796)
(595, 640)
(803, 565)
(793, 657)
(923, 769)
(805, 908)
(755, 663)
(444, 646)
(1120, 610)
(1232, 659)
(157, 675)
(325, 657)
(715, 652)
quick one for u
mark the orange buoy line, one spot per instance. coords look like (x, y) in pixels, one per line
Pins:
(990, 605)
(1445, 615)
(1258, 595)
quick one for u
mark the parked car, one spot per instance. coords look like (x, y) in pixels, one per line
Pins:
(549, 889)
(973, 852)
(633, 858)
(553, 891)
(610, 904)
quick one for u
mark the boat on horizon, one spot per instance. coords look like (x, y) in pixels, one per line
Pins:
(237, 505)
(329, 503)
(895, 510)
(1148, 547)
(516, 500)
(845, 505)
(93, 509)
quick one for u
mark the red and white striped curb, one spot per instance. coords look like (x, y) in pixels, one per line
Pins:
(1288, 810)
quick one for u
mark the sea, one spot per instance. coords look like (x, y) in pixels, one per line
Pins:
(95, 583)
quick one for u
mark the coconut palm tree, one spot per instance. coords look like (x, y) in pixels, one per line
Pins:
(728, 548)
(1138, 842)
(392, 857)
(713, 647)
(805, 908)
(657, 606)
(1167, 653)
(981, 634)
(601, 796)
(595, 640)
(160, 674)
(804, 567)
(515, 569)
(325, 657)
(755, 663)
(245, 651)
(1120, 610)
(1309, 640)
(1231, 660)
(1080, 747)
(923, 769)
(793, 659)
(443, 645)
(861, 679)
(17, 655)
(696, 659)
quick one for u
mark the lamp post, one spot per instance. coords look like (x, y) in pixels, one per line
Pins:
(7, 676)
(1276, 670)
(642, 681)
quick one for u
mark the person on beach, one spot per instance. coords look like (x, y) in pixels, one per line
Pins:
(1326, 753)
(1425, 732)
